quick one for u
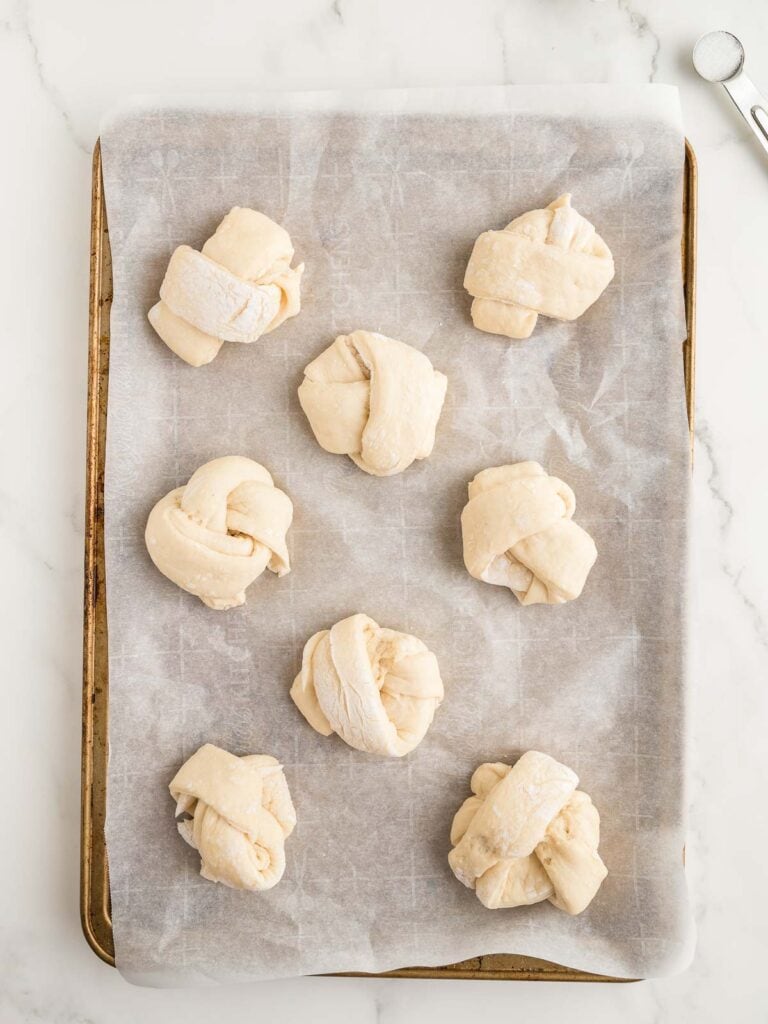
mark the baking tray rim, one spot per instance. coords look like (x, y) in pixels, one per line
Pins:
(95, 911)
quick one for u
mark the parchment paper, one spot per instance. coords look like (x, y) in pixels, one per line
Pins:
(384, 195)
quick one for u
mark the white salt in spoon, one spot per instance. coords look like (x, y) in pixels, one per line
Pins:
(719, 57)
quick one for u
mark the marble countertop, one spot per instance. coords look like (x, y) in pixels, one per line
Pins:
(61, 67)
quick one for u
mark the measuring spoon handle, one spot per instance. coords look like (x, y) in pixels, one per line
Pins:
(752, 106)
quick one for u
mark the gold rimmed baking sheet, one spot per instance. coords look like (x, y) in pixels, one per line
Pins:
(94, 874)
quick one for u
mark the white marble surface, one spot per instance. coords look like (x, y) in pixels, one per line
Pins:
(61, 66)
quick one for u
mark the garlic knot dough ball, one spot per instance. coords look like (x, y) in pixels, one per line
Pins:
(550, 262)
(241, 286)
(240, 813)
(217, 534)
(376, 688)
(374, 399)
(526, 835)
(518, 533)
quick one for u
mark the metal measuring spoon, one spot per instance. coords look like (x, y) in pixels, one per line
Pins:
(719, 57)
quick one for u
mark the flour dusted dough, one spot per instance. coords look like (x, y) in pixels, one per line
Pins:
(518, 533)
(548, 261)
(527, 835)
(241, 814)
(376, 688)
(214, 536)
(374, 399)
(239, 287)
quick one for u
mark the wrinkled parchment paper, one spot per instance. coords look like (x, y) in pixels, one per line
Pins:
(384, 194)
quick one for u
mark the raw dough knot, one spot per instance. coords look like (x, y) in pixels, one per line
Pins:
(518, 533)
(374, 399)
(376, 688)
(549, 261)
(527, 835)
(214, 536)
(239, 287)
(241, 814)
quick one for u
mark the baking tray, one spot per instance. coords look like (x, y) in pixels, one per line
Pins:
(95, 909)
